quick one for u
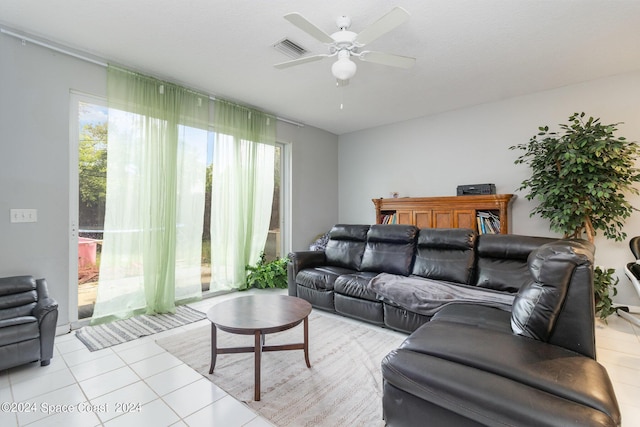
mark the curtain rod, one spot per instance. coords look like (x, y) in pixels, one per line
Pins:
(94, 61)
(52, 47)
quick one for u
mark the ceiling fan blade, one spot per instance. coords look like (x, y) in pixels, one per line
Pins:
(388, 22)
(388, 59)
(299, 61)
(309, 28)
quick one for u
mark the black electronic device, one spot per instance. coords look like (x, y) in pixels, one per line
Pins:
(474, 189)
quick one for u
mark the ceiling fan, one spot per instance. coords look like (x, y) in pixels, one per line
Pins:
(345, 44)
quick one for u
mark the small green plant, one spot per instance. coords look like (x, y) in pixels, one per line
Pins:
(604, 285)
(264, 274)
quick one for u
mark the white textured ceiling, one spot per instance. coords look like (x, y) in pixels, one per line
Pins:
(468, 51)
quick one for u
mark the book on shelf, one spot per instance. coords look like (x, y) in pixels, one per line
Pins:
(389, 219)
(488, 222)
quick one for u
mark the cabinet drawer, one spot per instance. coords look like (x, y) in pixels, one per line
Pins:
(404, 217)
(443, 218)
(422, 219)
(465, 219)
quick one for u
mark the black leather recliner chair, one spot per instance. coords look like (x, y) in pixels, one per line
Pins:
(28, 318)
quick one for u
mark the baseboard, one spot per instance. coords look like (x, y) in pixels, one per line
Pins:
(63, 329)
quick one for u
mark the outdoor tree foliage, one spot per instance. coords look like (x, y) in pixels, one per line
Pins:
(580, 177)
(92, 167)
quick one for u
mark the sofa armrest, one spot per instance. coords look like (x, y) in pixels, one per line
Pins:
(46, 311)
(575, 326)
(557, 306)
(299, 261)
(45, 303)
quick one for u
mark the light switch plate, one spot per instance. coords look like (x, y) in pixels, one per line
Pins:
(24, 215)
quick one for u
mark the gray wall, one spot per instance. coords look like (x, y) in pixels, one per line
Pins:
(431, 156)
(314, 183)
(35, 86)
(34, 159)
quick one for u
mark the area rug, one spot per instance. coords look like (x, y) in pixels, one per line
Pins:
(343, 387)
(118, 332)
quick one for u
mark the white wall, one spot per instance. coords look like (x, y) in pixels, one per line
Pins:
(314, 183)
(34, 159)
(431, 156)
(35, 86)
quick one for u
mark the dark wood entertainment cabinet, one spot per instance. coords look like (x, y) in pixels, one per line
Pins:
(448, 211)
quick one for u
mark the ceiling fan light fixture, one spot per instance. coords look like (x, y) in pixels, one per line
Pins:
(344, 43)
(344, 68)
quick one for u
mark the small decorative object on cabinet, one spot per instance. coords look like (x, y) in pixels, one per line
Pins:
(487, 213)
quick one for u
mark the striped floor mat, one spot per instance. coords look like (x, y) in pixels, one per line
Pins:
(118, 332)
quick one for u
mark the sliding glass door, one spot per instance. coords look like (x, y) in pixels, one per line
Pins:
(88, 178)
(91, 182)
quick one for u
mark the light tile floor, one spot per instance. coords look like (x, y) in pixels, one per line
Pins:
(618, 350)
(139, 384)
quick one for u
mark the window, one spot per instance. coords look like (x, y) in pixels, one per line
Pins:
(89, 125)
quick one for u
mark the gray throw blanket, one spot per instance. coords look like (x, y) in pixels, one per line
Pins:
(427, 296)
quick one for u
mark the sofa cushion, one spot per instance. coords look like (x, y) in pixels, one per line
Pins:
(502, 260)
(18, 329)
(537, 365)
(475, 315)
(16, 285)
(390, 248)
(346, 245)
(18, 296)
(428, 296)
(322, 278)
(538, 303)
(445, 254)
(355, 285)
(479, 397)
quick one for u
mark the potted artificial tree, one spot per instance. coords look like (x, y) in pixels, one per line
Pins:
(580, 177)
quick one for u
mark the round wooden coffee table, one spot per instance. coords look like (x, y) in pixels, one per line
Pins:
(259, 315)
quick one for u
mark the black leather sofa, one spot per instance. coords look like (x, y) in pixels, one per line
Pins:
(28, 317)
(467, 361)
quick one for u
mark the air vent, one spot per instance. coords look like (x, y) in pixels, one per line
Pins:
(289, 48)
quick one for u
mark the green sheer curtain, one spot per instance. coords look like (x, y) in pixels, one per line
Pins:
(156, 166)
(242, 191)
